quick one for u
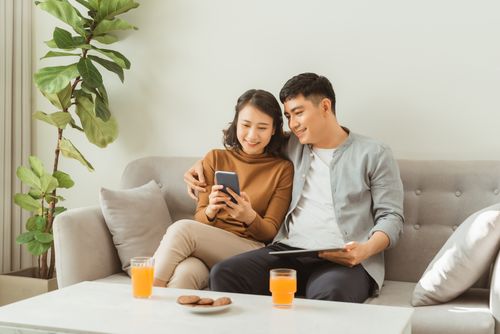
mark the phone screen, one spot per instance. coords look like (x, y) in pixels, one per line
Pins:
(229, 180)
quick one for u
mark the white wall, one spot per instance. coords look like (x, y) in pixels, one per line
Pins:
(422, 76)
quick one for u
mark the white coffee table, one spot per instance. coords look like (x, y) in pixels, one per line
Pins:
(91, 307)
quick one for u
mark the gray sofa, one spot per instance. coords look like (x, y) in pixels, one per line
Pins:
(439, 195)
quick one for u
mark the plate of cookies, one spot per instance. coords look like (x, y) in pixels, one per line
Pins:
(198, 304)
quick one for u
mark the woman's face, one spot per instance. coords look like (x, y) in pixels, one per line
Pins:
(254, 129)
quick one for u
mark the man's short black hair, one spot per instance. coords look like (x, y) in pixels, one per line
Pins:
(312, 86)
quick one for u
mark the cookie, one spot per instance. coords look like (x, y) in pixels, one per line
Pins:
(222, 301)
(205, 301)
(185, 300)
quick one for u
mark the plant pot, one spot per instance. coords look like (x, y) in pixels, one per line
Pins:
(21, 284)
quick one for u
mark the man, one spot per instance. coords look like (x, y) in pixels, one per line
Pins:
(346, 192)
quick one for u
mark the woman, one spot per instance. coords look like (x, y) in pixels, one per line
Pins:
(253, 143)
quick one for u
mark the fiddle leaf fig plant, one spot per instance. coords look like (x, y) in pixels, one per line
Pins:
(80, 103)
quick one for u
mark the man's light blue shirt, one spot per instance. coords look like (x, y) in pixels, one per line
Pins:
(367, 192)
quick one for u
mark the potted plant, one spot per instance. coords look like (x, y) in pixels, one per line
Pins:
(77, 92)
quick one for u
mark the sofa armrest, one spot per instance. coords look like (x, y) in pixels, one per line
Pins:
(495, 294)
(83, 246)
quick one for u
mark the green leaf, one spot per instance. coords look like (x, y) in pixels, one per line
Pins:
(112, 25)
(115, 56)
(103, 94)
(28, 177)
(43, 237)
(30, 224)
(98, 132)
(49, 183)
(27, 202)
(40, 222)
(62, 99)
(110, 9)
(49, 198)
(52, 54)
(36, 165)
(87, 4)
(63, 179)
(102, 109)
(25, 237)
(106, 39)
(37, 248)
(89, 73)
(70, 151)
(78, 43)
(109, 65)
(94, 4)
(56, 78)
(59, 119)
(36, 194)
(36, 223)
(59, 210)
(64, 40)
(63, 10)
(75, 126)
(51, 44)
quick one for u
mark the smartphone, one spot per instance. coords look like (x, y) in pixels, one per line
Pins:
(228, 180)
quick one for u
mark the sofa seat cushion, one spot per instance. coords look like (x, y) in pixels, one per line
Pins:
(469, 313)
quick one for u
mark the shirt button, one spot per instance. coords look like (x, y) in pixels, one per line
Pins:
(458, 193)
(416, 227)
(303, 176)
(418, 192)
(312, 155)
(454, 227)
(496, 191)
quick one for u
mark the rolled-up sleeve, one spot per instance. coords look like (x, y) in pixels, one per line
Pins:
(387, 195)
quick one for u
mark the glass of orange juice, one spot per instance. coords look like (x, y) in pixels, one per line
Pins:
(142, 272)
(283, 285)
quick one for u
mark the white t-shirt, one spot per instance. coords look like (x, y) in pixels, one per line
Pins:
(313, 223)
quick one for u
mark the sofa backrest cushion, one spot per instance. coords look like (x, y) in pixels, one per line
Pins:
(439, 195)
(168, 172)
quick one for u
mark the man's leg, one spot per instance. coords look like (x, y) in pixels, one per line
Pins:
(247, 272)
(335, 282)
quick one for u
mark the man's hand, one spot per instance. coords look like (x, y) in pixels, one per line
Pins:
(241, 211)
(356, 252)
(195, 180)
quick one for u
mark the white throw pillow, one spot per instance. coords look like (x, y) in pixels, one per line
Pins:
(137, 219)
(465, 256)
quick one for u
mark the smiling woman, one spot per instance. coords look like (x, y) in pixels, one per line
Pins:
(224, 228)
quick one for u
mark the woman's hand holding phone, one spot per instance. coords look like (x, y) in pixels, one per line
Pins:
(241, 211)
(216, 200)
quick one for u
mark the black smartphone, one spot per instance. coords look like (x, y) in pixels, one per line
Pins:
(228, 180)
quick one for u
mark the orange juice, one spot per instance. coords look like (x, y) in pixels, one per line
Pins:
(283, 285)
(142, 281)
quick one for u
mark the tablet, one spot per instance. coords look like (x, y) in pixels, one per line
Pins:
(304, 252)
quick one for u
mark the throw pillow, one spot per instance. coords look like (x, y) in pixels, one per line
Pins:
(137, 219)
(465, 256)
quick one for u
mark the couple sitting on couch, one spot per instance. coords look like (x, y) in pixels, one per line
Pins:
(346, 191)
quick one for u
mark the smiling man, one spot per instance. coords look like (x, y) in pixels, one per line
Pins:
(347, 193)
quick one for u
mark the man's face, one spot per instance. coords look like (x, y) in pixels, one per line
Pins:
(306, 119)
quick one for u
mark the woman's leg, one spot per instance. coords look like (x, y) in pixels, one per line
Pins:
(187, 238)
(191, 273)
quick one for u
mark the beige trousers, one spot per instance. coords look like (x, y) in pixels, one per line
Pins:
(189, 248)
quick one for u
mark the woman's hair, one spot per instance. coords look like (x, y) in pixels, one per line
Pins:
(266, 103)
